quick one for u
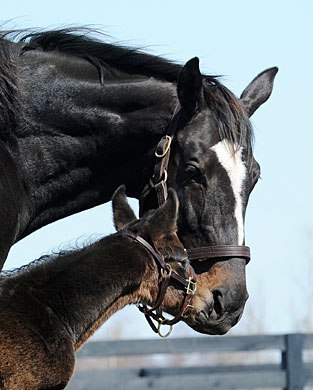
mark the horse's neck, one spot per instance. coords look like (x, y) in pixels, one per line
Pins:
(78, 140)
(84, 290)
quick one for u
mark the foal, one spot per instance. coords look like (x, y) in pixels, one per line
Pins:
(49, 308)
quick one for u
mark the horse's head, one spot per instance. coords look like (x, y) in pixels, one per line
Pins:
(159, 228)
(213, 171)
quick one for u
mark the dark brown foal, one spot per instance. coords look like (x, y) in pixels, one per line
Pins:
(49, 308)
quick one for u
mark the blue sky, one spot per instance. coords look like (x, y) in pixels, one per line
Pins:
(238, 40)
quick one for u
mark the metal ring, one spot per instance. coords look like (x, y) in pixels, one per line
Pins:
(169, 141)
(165, 176)
(166, 334)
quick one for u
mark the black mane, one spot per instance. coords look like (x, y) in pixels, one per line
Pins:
(82, 43)
(9, 101)
(79, 43)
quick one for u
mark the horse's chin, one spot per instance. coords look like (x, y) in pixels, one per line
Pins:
(204, 323)
(211, 330)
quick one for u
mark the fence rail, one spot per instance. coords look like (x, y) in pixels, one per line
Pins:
(290, 372)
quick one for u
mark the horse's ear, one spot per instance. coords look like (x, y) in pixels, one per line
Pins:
(189, 85)
(165, 217)
(258, 91)
(122, 212)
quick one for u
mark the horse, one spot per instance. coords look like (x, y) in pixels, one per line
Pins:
(51, 306)
(80, 116)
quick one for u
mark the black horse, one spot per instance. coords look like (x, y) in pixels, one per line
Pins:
(79, 117)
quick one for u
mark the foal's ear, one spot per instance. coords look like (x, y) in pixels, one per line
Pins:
(165, 217)
(258, 91)
(122, 212)
(189, 85)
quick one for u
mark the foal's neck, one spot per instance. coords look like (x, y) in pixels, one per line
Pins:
(88, 286)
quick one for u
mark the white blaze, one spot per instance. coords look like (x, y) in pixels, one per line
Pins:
(230, 158)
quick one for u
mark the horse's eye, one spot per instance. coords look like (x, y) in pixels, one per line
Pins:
(192, 172)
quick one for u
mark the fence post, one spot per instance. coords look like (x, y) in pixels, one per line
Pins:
(292, 361)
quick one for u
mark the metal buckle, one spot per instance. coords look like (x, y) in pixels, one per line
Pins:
(191, 287)
(168, 140)
(183, 314)
(168, 270)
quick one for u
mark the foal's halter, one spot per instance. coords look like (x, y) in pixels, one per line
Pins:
(167, 274)
(156, 190)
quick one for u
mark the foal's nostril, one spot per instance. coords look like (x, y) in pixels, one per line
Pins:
(218, 302)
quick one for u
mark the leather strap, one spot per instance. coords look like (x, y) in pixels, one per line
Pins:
(219, 252)
(156, 189)
(159, 258)
(189, 285)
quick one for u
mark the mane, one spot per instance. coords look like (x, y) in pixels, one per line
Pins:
(79, 43)
(133, 61)
(84, 43)
(9, 101)
(48, 264)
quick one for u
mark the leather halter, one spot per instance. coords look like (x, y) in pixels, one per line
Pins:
(167, 274)
(157, 190)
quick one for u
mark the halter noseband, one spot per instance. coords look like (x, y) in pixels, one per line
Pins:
(157, 187)
(167, 274)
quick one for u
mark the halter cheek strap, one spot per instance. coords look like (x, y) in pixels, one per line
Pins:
(154, 193)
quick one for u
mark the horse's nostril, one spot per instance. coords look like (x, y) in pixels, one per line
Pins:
(218, 302)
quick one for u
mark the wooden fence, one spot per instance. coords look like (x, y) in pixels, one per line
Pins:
(293, 369)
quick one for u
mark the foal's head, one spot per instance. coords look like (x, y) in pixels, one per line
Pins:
(158, 227)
